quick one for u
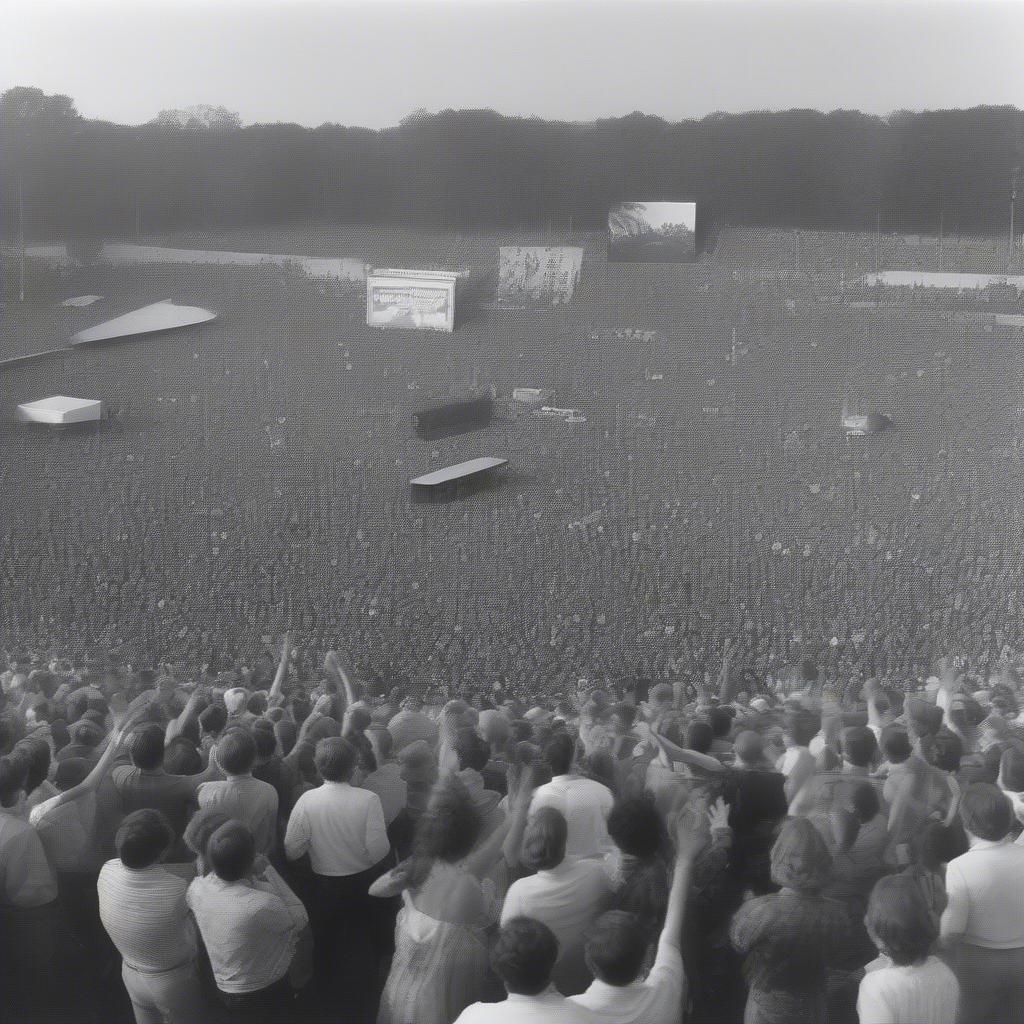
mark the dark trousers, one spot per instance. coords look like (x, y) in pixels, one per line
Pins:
(274, 1004)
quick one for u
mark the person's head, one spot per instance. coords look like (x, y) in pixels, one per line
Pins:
(800, 859)
(357, 720)
(495, 729)
(286, 733)
(236, 700)
(858, 744)
(212, 720)
(383, 744)
(985, 812)
(36, 753)
(699, 736)
(544, 839)
(899, 920)
(143, 838)
(86, 733)
(146, 747)
(934, 845)
(749, 748)
(615, 947)
(622, 718)
(637, 829)
(800, 727)
(524, 956)
(923, 718)
(661, 698)
(335, 759)
(471, 751)
(944, 750)
(720, 721)
(182, 757)
(236, 752)
(559, 752)
(231, 851)
(201, 826)
(71, 772)
(895, 744)
(12, 779)
(265, 742)
(257, 703)
(864, 802)
(1011, 770)
(450, 827)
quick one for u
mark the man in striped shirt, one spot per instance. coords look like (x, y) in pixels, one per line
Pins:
(143, 909)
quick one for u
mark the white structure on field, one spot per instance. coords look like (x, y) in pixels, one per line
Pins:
(160, 316)
(61, 411)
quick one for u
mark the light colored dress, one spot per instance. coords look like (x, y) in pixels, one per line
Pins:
(439, 967)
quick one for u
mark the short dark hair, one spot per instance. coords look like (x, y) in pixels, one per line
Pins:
(1011, 769)
(901, 920)
(524, 956)
(335, 759)
(147, 747)
(801, 726)
(359, 719)
(201, 826)
(12, 778)
(265, 741)
(615, 947)
(471, 750)
(544, 840)
(800, 859)
(213, 719)
(36, 753)
(559, 752)
(231, 851)
(182, 757)
(627, 712)
(859, 745)
(142, 838)
(720, 721)
(450, 827)
(236, 752)
(985, 811)
(864, 802)
(637, 829)
(895, 744)
(699, 736)
(944, 750)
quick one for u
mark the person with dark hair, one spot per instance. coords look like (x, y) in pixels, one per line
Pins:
(411, 724)
(615, 954)
(983, 923)
(440, 962)
(212, 721)
(36, 753)
(831, 789)
(584, 803)
(638, 867)
(523, 958)
(271, 768)
(342, 829)
(240, 796)
(473, 754)
(623, 739)
(567, 894)
(251, 923)
(182, 757)
(797, 764)
(201, 826)
(790, 939)
(907, 982)
(143, 909)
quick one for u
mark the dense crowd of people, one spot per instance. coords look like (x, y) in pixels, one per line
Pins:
(250, 842)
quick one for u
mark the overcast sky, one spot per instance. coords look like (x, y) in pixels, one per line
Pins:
(372, 63)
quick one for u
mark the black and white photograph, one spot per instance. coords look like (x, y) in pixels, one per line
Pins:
(511, 512)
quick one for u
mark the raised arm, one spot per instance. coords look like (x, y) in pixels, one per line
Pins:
(674, 752)
(277, 688)
(334, 668)
(190, 712)
(725, 673)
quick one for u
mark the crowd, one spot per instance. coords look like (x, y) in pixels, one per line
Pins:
(249, 842)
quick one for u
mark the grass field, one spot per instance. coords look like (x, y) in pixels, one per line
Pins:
(254, 473)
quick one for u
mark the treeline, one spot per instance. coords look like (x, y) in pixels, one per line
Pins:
(477, 169)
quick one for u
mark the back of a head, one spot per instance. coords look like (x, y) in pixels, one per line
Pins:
(143, 838)
(286, 733)
(986, 812)
(720, 721)
(213, 719)
(12, 778)
(72, 771)
(182, 757)
(626, 713)
(944, 750)
(699, 737)
(450, 827)
(236, 752)
(616, 946)
(864, 801)
(900, 920)
(358, 720)
(147, 747)
(800, 859)
(559, 752)
(859, 745)
(201, 826)
(265, 741)
(637, 829)
(801, 726)
(471, 750)
(231, 851)
(236, 700)
(1011, 770)
(749, 747)
(544, 840)
(895, 744)
(524, 956)
(383, 743)
(335, 759)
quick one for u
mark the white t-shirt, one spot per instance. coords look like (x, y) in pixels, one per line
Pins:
(916, 994)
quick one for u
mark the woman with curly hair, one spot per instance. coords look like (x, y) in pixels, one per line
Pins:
(440, 964)
(793, 937)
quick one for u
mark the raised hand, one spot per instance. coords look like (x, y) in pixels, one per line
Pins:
(718, 814)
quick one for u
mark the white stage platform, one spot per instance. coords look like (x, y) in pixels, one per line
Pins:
(61, 411)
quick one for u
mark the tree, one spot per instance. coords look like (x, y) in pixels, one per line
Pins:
(28, 107)
(200, 115)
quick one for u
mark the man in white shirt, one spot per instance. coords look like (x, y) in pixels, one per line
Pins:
(566, 894)
(984, 919)
(584, 804)
(616, 947)
(240, 796)
(342, 829)
(411, 724)
(523, 958)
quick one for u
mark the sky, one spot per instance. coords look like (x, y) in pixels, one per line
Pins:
(660, 215)
(372, 63)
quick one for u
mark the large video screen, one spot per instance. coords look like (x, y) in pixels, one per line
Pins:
(652, 233)
(410, 302)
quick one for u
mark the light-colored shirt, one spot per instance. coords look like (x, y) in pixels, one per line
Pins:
(68, 833)
(388, 784)
(146, 916)
(985, 887)
(341, 828)
(250, 931)
(658, 999)
(409, 726)
(925, 993)
(26, 879)
(248, 800)
(550, 1007)
(585, 804)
